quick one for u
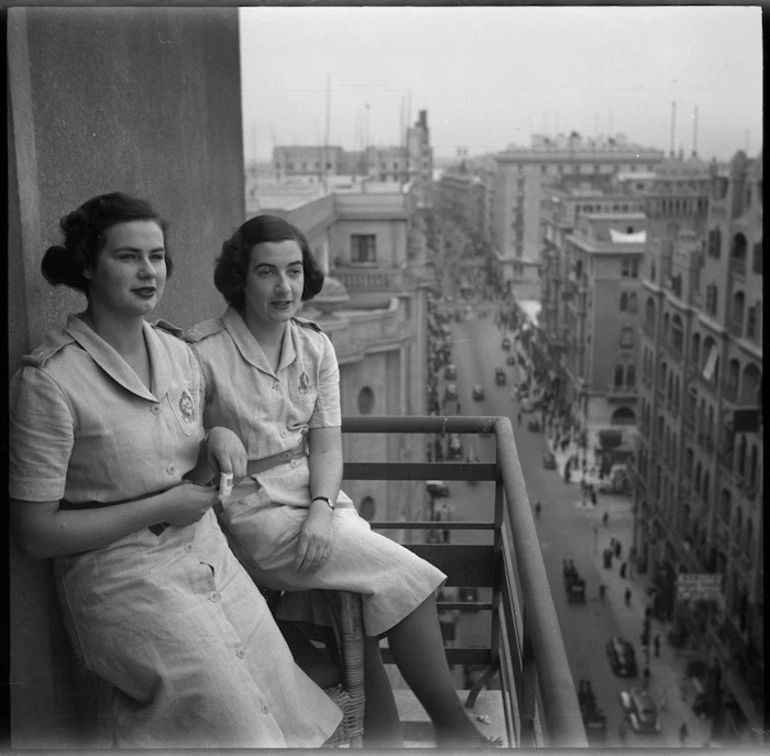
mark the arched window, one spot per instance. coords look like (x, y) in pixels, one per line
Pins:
(751, 385)
(630, 375)
(706, 483)
(666, 319)
(697, 480)
(677, 333)
(367, 508)
(738, 252)
(689, 456)
(618, 376)
(663, 375)
(739, 303)
(749, 538)
(695, 349)
(733, 377)
(649, 313)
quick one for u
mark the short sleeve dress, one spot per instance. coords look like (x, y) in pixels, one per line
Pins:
(167, 616)
(272, 411)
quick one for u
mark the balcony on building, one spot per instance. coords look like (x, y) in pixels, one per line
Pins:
(528, 680)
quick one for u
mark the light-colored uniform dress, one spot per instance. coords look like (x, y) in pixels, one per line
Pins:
(171, 620)
(272, 411)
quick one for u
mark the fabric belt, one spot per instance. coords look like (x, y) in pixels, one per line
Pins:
(69, 505)
(256, 466)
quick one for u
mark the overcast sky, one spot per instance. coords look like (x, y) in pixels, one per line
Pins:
(492, 76)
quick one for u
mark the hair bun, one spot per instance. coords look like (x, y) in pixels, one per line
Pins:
(55, 267)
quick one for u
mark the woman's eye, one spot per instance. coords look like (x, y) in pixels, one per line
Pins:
(160, 257)
(295, 272)
(128, 256)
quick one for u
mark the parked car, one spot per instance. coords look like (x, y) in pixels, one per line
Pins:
(641, 709)
(510, 359)
(594, 720)
(500, 377)
(477, 392)
(437, 488)
(506, 343)
(549, 461)
(616, 482)
(455, 451)
(622, 657)
(450, 391)
(450, 372)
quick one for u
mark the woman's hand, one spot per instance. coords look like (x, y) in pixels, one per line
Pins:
(187, 503)
(315, 538)
(225, 453)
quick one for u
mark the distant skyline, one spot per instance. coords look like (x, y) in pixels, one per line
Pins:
(490, 77)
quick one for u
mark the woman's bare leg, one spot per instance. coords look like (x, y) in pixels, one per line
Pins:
(418, 651)
(382, 726)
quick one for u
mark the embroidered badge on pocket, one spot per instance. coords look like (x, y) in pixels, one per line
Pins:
(186, 407)
(304, 383)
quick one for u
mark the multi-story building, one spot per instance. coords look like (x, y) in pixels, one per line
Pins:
(315, 160)
(561, 209)
(461, 195)
(603, 257)
(523, 172)
(420, 161)
(699, 460)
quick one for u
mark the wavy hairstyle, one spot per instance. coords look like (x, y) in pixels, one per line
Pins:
(84, 237)
(232, 265)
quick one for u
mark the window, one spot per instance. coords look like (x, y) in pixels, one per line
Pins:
(633, 302)
(623, 301)
(756, 262)
(630, 376)
(626, 337)
(714, 243)
(365, 400)
(630, 268)
(751, 323)
(363, 248)
(618, 376)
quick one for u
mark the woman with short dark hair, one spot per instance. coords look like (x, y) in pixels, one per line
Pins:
(105, 423)
(273, 379)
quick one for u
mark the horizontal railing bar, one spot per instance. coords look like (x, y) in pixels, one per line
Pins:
(418, 471)
(464, 605)
(418, 424)
(433, 525)
(480, 657)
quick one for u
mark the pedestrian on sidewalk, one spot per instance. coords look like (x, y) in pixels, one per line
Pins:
(618, 548)
(623, 570)
(683, 733)
(593, 494)
(605, 518)
(627, 597)
(518, 417)
(538, 509)
(602, 590)
(656, 646)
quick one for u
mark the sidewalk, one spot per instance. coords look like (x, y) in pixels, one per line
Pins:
(668, 683)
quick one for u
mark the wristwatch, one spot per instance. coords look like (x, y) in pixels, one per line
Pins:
(323, 498)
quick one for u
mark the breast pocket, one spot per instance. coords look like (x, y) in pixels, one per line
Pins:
(184, 410)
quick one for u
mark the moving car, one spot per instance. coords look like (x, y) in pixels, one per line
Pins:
(450, 372)
(455, 451)
(437, 488)
(622, 657)
(549, 461)
(477, 392)
(500, 377)
(641, 710)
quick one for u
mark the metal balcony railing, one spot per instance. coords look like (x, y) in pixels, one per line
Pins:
(525, 647)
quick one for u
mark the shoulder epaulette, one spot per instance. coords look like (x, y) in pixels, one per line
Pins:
(54, 342)
(305, 323)
(164, 325)
(204, 329)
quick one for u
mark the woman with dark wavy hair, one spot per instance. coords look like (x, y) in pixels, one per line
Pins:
(105, 422)
(272, 378)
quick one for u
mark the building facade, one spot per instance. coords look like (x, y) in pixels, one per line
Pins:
(522, 173)
(603, 257)
(698, 468)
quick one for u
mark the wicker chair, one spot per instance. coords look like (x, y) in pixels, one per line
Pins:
(344, 642)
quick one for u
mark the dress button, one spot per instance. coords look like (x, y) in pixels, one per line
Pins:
(188, 547)
(214, 597)
(293, 462)
(283, 434)
(264, 708)
(155, 409)
(276, 386)
(170, 469)
(240, 653)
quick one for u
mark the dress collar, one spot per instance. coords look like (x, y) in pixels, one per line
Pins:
(251, 349)
(116, 367)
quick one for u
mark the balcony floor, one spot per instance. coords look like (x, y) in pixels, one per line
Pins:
(418, 731)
